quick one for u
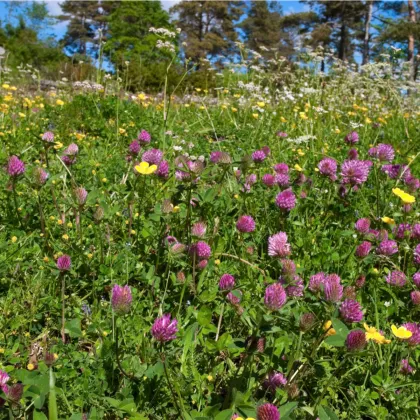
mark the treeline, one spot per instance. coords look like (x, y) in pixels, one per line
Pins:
(115, 36)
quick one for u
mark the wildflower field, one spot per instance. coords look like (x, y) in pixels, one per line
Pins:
(245, 251)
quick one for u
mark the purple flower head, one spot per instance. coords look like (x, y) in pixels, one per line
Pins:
(360, 281)
(415, 232)
(152, 156)
(251, 179)
(48, 137)
(266, 150)
(201, 250)
(269, 180)
(80, 195)
(15, 392)
(198, 229)
(328, 167)
(165, 329)
(182, 175)
(64, 263)
(144, 137)
(387, 247)
(351, 311)
(177, 248)
(373, 151)
(353, 154)
(333, 290)
(356, 340)
(295, 288)
(71, 150)
(227, 282)
(275, 380)
(163, 169)
(15, 167)
(275, 297)
(392, 171)
(316, 282)
(282, 180)
(281, 134)
(268, 412)
(416, 279)
(355, 172)
(258, 156)
(202, 264)
(134, 148)
(415, 297)
(362, 225)
(40, 176)
(121, 299)
(363, 249)
(412, 183)
(414, 340)
(400, 232)
(215, 156)
(405, 367)
(352, 138)
(286, 200)
(385, 152)
(281, 168)
(234, 297)
(278, 245)
(245, 224)
(68, 160)
(416, 255)
(4, 378)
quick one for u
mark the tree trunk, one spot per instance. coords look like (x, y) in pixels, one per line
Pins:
(367, 30)
(412, 21)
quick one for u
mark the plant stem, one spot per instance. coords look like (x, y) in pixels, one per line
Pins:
(52, 398)
(63, 290)
(220, 321)
(117, 353)
(170, 386)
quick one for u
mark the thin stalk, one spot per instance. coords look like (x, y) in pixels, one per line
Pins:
(174, 396)
(52, 398)
(220, 321)
(117, 353)
(63, 320)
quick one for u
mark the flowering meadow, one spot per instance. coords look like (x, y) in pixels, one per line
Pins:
(250, 251)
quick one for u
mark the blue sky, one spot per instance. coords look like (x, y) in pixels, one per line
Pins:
(59, 29)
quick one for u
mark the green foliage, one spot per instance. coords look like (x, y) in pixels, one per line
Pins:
(100, 363)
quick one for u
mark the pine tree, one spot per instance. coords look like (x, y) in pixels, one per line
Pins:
(208, 27)
(263, 29)
(129, 40)
(85, 18)
(344, 18)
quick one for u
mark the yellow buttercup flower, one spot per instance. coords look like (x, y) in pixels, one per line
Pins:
(401, 332)
(59, 102)
(388, 220)
(14, 239)
(373, 334)
(145, 169)
(405, 197)
(328, 329)
(298, 168)
(30, 366)
(261, 104)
